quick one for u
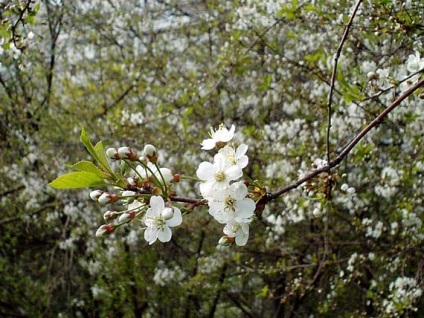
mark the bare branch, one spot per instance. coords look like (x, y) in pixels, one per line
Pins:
(333, 76)
(349, 147)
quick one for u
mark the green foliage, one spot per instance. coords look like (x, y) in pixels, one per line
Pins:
(80, 179)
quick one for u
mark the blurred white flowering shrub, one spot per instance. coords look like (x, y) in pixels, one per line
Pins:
(309, 234)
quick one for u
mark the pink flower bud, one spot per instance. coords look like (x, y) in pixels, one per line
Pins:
(107, 198)
(105, 230)
(94, 195)
(110, 215)
(126, 217)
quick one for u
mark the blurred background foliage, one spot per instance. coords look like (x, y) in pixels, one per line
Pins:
(163, 72)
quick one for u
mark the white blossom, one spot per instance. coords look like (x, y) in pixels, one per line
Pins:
(414, 63)
(221, 135)
(232, 205)
(158, 227)
(217, 176)
(236, 157)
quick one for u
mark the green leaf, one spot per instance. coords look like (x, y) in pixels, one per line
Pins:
(88, 166)
(87, 143)
(103, 160)
(76, 180)
(97, 152)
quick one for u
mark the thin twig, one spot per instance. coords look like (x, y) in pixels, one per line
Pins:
(10, 191)
(349, 147)
(248, 49)
(195, 202)
(334, 75)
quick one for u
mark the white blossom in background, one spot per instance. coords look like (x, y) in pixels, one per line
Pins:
(383, 80)
(166, 276)
(414, 63)
(404, 292)
(159, 219)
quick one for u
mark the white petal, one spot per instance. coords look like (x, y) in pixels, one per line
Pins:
(230, 229)
(176, 219)
(245, 208)
(242, 162)
(166, 174)
(217, 211)
(233, 173)
(241, 238)
(135, 205)
(205, 171)
(239, 190)
(157, 205)
(150, 235)
(208, 144)
(241, 150)
(164, 234)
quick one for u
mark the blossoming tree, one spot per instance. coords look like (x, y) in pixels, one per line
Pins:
(304, 200)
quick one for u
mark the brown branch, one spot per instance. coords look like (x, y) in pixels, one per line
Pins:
(194, 202)
(272, 196)
(35, 212)
(333, 76)
(10, 191)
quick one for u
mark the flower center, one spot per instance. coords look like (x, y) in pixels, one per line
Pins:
(220, 176)
(232, 159)
(230, 203)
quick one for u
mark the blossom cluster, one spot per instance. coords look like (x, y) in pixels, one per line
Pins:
(143, 192)
(227, 196)
(146, 190)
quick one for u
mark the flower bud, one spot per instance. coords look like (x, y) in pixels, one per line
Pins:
(105, 230)
(177, 178)
(150, 151)
(372, 75)
(126, 217)
(94, 195)
(167, 214)
(127, 153)
(110, 215)
(144, 159)
(226, 241)
(128, 193)
(131, 181)
(112, 153)
(167, 175)
(156, 191)
(107, 198)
